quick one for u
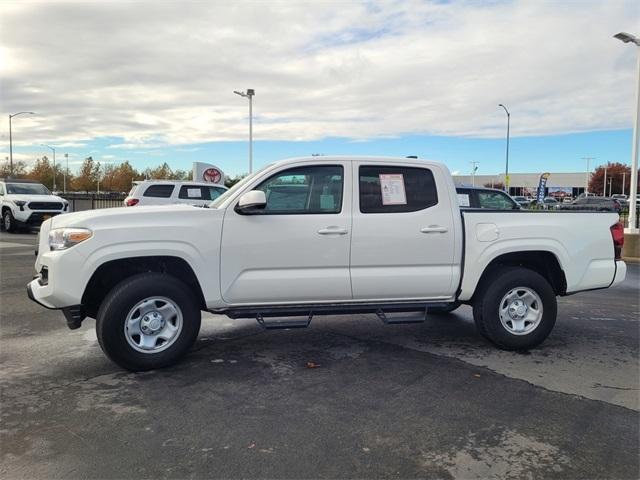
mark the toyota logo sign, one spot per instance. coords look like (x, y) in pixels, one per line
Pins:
(212, 175)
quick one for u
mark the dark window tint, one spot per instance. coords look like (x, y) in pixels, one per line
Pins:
(159, 191)
(301, 190)
(407, 189)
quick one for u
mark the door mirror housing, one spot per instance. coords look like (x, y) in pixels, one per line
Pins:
(251, 201)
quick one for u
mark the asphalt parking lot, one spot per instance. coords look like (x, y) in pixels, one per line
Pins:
(402, 401)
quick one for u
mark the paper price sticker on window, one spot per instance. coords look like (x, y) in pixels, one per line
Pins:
(392, 189)
(193, 192)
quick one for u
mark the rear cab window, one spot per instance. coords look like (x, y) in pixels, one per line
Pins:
(159, 191)
(495, 200)
(393, 189)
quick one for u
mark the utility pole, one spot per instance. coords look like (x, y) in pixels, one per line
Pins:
(624, 178)
(249, 94)
(506, 169)
(604, 185)
(586, 185)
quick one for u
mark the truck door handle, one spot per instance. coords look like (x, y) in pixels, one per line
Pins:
(434, 229)
(333, 231)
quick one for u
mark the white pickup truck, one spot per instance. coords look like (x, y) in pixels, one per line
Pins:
(313, 236)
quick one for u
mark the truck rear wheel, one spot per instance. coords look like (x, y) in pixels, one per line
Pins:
(515, 308)
(148, 321)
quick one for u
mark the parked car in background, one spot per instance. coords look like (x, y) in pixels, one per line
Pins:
(567, 200)
(599, 204)
(488, 198)
(26, 203)
(167, 192)
(524, 202)
(621, 198)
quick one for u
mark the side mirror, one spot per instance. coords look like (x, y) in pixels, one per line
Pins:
(251, 201)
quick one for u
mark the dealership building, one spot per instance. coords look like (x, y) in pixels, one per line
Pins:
(558, 184)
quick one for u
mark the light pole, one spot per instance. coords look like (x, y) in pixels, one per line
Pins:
(11, 139)
(604, 189)
(54, 164)
(249, 94)
(633, 188)
(624, 177)
(474, 169)
(506, 169)
(586, 184)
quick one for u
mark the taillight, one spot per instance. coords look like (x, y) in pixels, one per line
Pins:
(617, 234)
(130, 202)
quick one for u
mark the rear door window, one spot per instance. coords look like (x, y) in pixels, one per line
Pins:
(159, 191)
(495, 201)
(193, 192)
(389, 189)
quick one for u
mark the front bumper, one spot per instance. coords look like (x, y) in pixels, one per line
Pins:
(73, 314)
(34, 219)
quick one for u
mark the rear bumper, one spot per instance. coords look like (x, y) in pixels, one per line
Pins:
(621, 273)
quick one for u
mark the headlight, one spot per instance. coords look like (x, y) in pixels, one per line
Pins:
(63, 238)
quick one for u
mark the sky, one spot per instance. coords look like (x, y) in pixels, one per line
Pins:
(153, 82)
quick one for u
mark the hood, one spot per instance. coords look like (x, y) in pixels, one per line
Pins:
(134, 217)
(34, 198)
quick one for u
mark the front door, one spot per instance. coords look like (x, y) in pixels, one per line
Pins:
(297, 248)
(403, 244)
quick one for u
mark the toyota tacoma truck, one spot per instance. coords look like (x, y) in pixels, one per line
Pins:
(313, 236)
(26, 203)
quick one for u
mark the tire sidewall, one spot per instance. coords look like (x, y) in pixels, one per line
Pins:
(493, 295)
(8, 216)
(115, 308)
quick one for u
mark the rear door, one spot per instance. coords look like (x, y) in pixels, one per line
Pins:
(403, 244)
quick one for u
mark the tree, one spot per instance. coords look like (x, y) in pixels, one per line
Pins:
(615, 172)
(231, 181)
(42, 172)
(120, 178)
(88, 176)
(19, 169)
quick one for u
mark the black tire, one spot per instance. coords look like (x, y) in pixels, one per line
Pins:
(9, 221)
(116, 306)
(443, 310)
(486, 305)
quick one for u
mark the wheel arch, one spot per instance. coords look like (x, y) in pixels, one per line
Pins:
(543, 262)
(112, 272)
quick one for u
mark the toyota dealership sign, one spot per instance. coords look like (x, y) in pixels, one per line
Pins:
(205, 172)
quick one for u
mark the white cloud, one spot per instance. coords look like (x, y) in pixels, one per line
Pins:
(162, 73)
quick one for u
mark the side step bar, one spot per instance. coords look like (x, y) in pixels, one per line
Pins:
(271, 322)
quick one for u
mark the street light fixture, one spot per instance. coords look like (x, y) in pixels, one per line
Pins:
(633, 190)
(506, 169)
(11, 139)
(54, 164)
(249, 94)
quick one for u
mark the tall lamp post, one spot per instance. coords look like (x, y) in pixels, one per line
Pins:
(11, 138)
(54, 164)
(249, 94)
(66, 169)
(506, 169)
(633, 188)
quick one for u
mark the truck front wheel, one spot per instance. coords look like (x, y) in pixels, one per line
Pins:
(148, 321)
(515, 308)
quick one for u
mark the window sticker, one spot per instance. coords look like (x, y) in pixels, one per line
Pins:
(463, 200)
(392, 189)
(193, 192)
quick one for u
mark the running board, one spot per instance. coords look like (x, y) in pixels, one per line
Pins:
(284, 323)
(419, 317)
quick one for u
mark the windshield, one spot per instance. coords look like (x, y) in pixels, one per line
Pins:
(223, 198)
(27, 189)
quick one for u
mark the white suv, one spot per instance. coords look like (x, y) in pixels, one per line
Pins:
(166, 192)
(26, 203)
